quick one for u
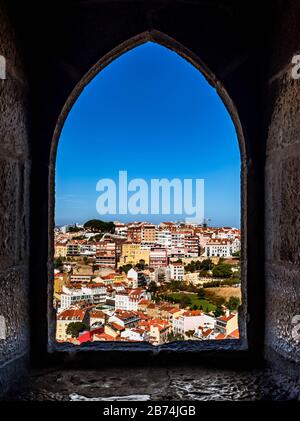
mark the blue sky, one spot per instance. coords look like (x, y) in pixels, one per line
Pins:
(153, 114)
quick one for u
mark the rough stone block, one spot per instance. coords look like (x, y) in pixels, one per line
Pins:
(282, 305)
(14, 306)
(8, 208)
(284, 128)
(13, 117)
(290, 211)
(23, 212)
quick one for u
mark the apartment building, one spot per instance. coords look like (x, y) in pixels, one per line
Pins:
(164, 238)
(89, 294)
(65, 318)
(132, 253)
(106, 254)
(158, 258)
(222, 248)
(134, 233)
(73, 249)
(227, 324)
(60, 250)
(129, 299)
(176, 271)
(188, 321)
(148, 234)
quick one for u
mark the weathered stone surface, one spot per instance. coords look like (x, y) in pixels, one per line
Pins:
(12, 373)
(284, 129)
(8, 207)
(14, 306)
(157, 384)
(22, 252)
(290, 210)
(282, 305)
(13, 117)
(282, 195)
(14, 206)
(13, 104)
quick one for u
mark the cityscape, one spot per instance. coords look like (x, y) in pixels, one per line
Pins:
(145, 282)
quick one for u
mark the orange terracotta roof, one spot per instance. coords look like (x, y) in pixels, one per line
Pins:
(104, 337)
(235, 334)
(71, 314)
(192, 313)
(221, 336)
(117, 326)
(226, 319)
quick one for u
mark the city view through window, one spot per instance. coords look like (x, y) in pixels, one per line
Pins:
(147, 218)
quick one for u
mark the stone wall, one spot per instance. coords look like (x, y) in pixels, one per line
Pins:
(282, 186)
(57, 62)
(14, 210)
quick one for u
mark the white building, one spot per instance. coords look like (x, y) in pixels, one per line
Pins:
(129, 300)
(136, 278)
(136, 334)
(178, 240)
(188, 321)
(222, 248)
(164, 238)
(121, 229)
(90, 294)
(176, 271)
(88, 250)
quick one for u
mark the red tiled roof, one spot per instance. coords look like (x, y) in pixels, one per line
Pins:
(71, 314)
(192, 313)
(226, 319)
(97, 313)
(117, 326)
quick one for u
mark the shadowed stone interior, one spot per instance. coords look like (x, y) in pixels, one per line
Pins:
(159, 384)
(46, 70)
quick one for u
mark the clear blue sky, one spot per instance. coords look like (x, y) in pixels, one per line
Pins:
(151, 113)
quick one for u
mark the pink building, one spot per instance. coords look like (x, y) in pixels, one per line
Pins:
(158, 258)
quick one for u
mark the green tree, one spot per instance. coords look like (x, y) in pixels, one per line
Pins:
(201, 294)
(74, 228)
(233, 303)
(141, 265)
(185, 301)
(75, 328)
(96, 225)
(206, 265)
(175, 285)
(175, 337)
(152, 287)
(58, 263)
(219, 312)
(222, 271)
(126, 268)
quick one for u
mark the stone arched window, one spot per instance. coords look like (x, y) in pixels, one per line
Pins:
(160, 38)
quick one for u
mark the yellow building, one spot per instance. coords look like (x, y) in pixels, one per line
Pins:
(64, 319)
(60, 280)
(228, 323)
(133, 254)
(60, 250)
